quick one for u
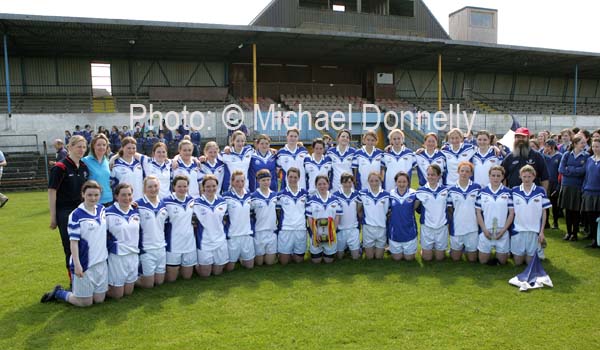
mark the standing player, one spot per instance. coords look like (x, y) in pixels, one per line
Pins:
(264, 209)
(87, 234)
(316, 164)
(123, 225)
(240, 242)
(187, 167)
(429, 155)
(396, 159)
(238, 158)
(263, 158)
(341, 156)
(160, 166)
(434, 223)
(292, 155)
(464, 230)
(366, 160)
(348, 235)
(455, 152)
(572, 168)
(402, 228)
(212, 165)
(179, 231)
(323, 212)
(127, 169)
(291, 206)
(484, 158)
(495, 215)
(375, 203)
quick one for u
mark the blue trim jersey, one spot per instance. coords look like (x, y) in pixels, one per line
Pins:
(89, 229)
(464, 217)
(210, 233)
(161, 171)
(192, 172)
(130, 173)
(152, 224)
(259, 162)
(375, 207)
(393, 162)
(464, 153)
(315, 168)
(264, 208)
(236, 161)
(286, 158)
(318, 207)
(495, 206)
(179, 231)
(528, 208)
(292, 209)
(483, 163)
(424, 160)
(365, 163)
(238, 209)
(403, 224)
(340, 163)
(433, 205)
(218, 169)
(349, 219)
(123, 230)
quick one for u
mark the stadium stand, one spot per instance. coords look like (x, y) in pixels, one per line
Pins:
(322, 102)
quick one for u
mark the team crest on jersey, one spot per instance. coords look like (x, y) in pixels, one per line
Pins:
(409, 200)
(473, 195)
(257, 162)
(220, 170)
(405, 158)
(504, 196)
(220, 208)
(439, 161)
(464, 155)
(537, 200)
(135, 218)
(492, 161)
(517, 201)
(247, 156)
(530, 161)
(203, 212)
(515, 162)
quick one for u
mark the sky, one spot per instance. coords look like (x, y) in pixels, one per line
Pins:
(566, 25)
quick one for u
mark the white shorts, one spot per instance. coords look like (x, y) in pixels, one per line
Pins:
(406, 248)
(349, 238)
(265, 242)
(241, 247)
(434, 238)
(182, 259)
(291, 242)
(323, 248)
(216, 256)
(94, 281)
(153, 261)
(502, 245)
(374, 236)
(468, 242)
(122, 269)
(524, 243)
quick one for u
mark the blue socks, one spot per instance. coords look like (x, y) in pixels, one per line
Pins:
(62, 295)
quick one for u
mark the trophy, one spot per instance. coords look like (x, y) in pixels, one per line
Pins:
(494, 228)
(323, 230)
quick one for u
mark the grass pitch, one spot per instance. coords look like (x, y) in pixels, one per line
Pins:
(349, 305)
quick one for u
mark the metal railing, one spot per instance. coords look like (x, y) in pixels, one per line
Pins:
(20, 143)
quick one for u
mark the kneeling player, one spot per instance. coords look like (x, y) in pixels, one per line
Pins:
(264, 208)
(402, 228)
(348, 235)
(434, 224)
(323, 212)
(239, 234)
(375, 202)
(291, 206)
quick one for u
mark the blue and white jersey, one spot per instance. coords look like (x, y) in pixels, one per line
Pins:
(375, 206)
(265, 211)
(89, 228)
(129, 173)
(323, 208)
(528, 208)
(403, 224)
(236, 161)
(393, 162)
(494, 205)
(462, 200)
(258, 162)
(464, 153)
(161, 171)
(424, 160)
(433, 205)
(238, 209)
(287, 158)
(315, 168)
(192, 172)
(123, 230)
(152, 223)
(292, 206)
(341, 162)
(216, 168)
(366, 163)
(179, 231)
(349, 202)
(210, 233)
(483, 163)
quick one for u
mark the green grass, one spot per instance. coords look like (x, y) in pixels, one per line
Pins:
(351, 305)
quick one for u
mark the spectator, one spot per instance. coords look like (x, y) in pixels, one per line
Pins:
(523, 155)
(102, 130)
(67, 137)
(3, 198)
(235, 126)
(97, 163)
(126, 132)
(61, 152)
(196, 138)
(87, 133)
(77, 131)
(115, 139)
(552, 158)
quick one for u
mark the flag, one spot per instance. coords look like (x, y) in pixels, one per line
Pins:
(508, 139)
(515, 123)
(533, 277)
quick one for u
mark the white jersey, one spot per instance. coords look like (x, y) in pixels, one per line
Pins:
(433, 205)
(123, 230)
(293, 209)
(192, 172)
(341, 162)
(495, 206)
(375, 206)
(318, 207)
(161, 171)
(366, 163)
(210, 233)
(464, 154)
(216, 168)
(483, 163)
(237, 161)
(393, 162)
(89, 228)
(424, 160)
(528, 208)
(129, 173)
(348, 203)
(315, 168)
(179, 231)
(152, 222)
(287, 158)
(238, 209)
(464, 218)
(265, 213)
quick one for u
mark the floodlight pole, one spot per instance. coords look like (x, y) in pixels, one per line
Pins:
(254, 87)
(7, 75)
(439, 82)
(575, 92)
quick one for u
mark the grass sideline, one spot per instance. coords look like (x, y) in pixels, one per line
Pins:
(350, 305)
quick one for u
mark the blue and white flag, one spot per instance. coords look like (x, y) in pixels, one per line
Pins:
(533, 277)
(508, 139)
